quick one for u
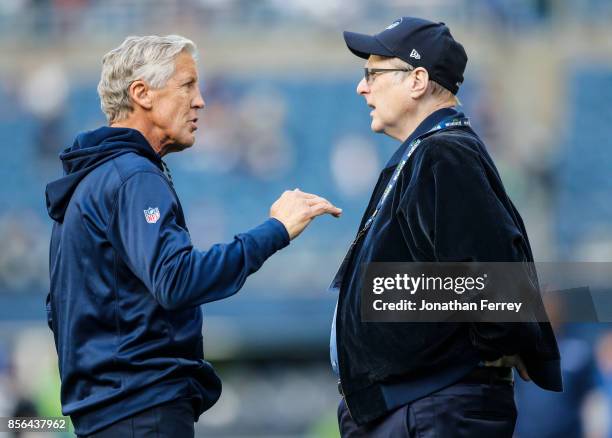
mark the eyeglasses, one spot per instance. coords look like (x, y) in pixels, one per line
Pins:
(370, 73)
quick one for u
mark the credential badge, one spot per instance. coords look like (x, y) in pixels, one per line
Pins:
(152, 215)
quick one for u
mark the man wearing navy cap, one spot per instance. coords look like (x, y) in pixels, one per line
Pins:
(438, 199)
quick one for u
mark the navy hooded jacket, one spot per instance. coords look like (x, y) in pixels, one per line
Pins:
(126, 282)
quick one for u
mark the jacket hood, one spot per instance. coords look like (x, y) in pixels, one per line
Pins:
(90, 150)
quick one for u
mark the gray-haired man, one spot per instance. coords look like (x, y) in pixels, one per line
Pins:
(126, 282)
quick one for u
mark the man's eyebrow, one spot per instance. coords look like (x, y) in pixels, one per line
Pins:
(189, 79)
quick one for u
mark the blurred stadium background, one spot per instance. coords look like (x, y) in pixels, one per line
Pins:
(282, 113)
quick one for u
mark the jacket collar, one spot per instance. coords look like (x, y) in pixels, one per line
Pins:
(430, 121)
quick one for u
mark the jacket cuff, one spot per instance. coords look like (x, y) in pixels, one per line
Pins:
(270, 236)
(281, 230)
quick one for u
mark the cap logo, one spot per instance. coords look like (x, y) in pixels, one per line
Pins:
(414, 54)
(394, 24)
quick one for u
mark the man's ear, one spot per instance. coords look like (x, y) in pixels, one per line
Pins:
(140, 93)
(419, 83)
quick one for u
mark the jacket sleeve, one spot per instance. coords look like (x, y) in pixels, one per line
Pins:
(471, 222)
(452, 212)
(159, 250)
(462, 214)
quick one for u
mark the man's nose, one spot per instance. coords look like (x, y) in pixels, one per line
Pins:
(362, 87)
(199, 101)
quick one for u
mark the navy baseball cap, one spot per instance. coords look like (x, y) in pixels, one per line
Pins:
(421, 43)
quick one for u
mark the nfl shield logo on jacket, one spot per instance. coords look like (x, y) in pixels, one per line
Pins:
(152, 215)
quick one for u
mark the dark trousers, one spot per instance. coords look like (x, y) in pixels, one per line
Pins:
(461, 410)
(169, 420)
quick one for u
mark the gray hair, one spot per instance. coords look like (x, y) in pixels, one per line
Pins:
(147, 58)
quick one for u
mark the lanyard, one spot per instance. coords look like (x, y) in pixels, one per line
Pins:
(447, 123)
